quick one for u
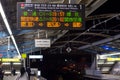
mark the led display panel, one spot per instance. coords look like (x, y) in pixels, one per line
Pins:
(50, 16)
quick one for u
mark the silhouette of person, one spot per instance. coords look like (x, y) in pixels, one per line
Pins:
(29, 72)
(23, 74)
(1, 71)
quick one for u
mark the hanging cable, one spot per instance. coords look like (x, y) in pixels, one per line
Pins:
(94, 24)
(91, 28)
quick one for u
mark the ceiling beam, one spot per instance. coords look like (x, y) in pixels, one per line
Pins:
(101, 16)
(94, 6)
(59, 36)
(101, 41)
(79, 42)
(88, 33)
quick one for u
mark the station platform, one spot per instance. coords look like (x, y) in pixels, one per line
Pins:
(102, 77)
(14, 78)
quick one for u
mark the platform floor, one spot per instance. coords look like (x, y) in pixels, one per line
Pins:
(104, 77)
(13, 78)
(108, 77)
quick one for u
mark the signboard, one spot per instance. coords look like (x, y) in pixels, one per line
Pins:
(42, 42)
(10, 60)
(35, 56)
(24, 55)
(113, 59)
(50, 16)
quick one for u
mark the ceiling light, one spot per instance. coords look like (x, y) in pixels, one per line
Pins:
(115, 53)
(8, 28)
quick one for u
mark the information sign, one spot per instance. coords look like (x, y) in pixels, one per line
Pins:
(50, 16)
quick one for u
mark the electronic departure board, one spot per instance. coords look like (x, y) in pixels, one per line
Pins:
(50, 16)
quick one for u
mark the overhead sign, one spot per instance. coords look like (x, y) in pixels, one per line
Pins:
(24, 55)
(50, 16)
(35, 56)
(10, 60)
(42, 43)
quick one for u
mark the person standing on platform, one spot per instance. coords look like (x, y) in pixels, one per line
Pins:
(13, 72)
(29, 72)
(23, 74)
(1, 71)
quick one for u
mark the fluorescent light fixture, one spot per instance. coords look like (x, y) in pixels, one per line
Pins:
(35, 56)
(7, 72)
(18, 72)
(38, 73)
(111, 54)
(8, 28)
(6, 63)
(69, 1)
(17, 63)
